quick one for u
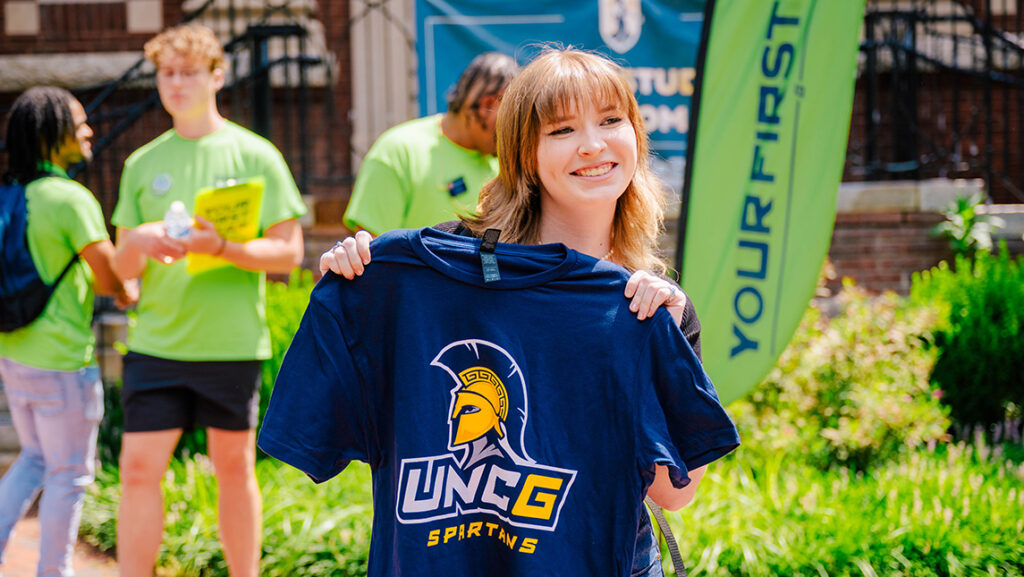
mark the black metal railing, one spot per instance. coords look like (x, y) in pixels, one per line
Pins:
(940, 93)
(269, 90)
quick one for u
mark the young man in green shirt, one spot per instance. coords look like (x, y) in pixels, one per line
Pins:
(48, 367)
(196, 350)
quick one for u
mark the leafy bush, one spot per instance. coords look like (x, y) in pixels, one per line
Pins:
(851, 391)
(108, 439)
(955, 511)
(285, 304)
(308, 529)
(967, 230)
(980, 334)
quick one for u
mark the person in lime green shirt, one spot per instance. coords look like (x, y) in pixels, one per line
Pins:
(431, 169)
(196, 349)
(47, 367)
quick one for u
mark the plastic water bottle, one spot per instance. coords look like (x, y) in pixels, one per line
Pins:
(177, 221)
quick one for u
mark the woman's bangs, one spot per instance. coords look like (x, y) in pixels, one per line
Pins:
(569, 90)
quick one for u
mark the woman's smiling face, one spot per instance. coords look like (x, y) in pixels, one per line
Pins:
(588, 154)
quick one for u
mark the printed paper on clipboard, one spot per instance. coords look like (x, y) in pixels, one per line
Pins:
(235, 211)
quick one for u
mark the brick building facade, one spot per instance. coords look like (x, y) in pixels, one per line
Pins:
(902, 127)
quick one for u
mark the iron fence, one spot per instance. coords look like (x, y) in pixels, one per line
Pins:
(940, 93)
(281, 83)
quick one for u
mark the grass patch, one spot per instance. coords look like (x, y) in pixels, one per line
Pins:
(308, 529)
(957, 510)
(953, 511)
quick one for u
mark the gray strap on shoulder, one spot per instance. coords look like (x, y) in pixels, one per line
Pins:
(670, 538)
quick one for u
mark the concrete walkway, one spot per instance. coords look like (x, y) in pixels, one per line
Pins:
(22, 555)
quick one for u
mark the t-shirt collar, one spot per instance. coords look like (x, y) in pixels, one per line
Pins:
(51, 168)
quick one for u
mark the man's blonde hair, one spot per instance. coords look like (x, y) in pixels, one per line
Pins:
(557, 81)
(192, 41)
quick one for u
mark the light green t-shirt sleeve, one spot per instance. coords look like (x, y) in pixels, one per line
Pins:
(281, 199)
(85, 221)
(126, 213)
(380, 199)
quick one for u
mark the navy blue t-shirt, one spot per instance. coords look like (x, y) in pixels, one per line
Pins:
(512, 427)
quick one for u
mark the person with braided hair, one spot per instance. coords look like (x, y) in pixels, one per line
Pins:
(431, 169)
(48, 367)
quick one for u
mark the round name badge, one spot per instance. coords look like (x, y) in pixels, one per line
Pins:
(161, 184)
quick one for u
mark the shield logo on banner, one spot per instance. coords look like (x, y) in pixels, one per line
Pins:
(620, 23)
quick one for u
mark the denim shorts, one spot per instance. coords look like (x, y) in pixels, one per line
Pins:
(161, 394)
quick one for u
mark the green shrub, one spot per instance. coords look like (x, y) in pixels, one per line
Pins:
(308, 529)
(851, 391)
(967, 230)
(955, 511)
(285, 304)
(108, 439)
(980, 334)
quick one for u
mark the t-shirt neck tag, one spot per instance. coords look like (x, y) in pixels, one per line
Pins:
(487, 256)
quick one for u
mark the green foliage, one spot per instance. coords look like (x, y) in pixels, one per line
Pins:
(967, 230)
(308, 529)
(824, 485)
(285, 304)
(957, 510)
(954, 511)
(979, 334)
(852, 391)
(108, 440)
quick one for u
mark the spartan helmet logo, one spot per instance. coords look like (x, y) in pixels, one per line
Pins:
(488, 400)
(481, 405)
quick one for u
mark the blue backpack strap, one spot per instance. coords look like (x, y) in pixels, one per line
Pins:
(23, 294)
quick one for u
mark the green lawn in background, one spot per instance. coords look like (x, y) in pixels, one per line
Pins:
(950, 511)
(957, 510)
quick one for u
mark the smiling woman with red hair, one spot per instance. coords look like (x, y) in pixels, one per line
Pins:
(574, 169)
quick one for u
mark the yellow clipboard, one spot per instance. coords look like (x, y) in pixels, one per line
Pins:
(235, 211)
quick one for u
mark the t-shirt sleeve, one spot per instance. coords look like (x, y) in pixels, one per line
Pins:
(126, 213)
(379, 199)
(681, 422)
(318, 420)
(281, 198)
(85, 219)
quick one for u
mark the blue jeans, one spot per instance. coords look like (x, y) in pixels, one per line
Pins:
(57, 415)
(647, 551)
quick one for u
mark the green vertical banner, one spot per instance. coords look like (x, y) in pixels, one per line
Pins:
(771, 119)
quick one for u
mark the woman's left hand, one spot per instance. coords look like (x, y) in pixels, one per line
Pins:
(648, 292)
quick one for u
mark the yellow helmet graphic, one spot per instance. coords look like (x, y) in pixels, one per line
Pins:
(488, 401)
(481, 404)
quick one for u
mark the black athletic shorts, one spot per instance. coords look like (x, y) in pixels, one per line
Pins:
(161, 394)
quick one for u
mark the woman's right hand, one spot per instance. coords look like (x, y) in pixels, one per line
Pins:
(349, 257)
